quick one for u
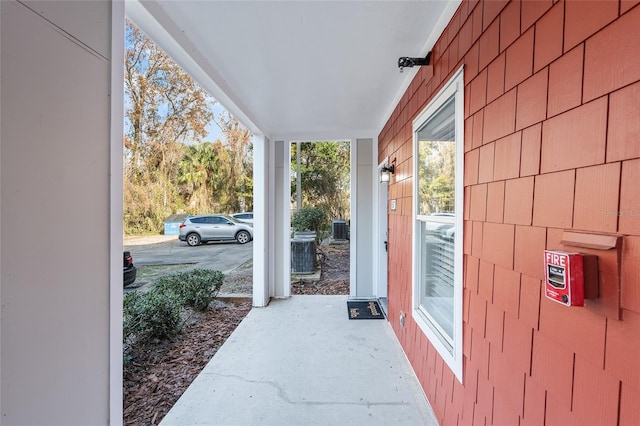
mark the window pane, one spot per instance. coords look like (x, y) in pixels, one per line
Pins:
(437, 273)
(436, 162)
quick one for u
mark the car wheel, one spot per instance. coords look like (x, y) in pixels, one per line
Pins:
(193, 239)
(243, 237)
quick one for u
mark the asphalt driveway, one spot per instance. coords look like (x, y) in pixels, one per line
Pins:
(172, 255)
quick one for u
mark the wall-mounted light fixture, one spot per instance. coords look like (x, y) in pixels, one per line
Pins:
(406, 62)
(386, 172)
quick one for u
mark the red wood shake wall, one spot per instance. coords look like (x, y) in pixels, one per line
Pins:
(552, 145)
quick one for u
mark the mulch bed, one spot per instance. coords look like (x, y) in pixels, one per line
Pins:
(154, 378)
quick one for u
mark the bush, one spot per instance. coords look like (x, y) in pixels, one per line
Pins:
(309, 219)
(149, 316)
(157, 314)
(195, 288)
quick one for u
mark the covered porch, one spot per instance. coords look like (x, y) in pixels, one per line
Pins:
(302, 361)
(550, 137)
(290, 71)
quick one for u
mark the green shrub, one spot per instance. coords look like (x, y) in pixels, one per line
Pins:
(149, 316)
(158, 313)
(195, 288)
(309, 219)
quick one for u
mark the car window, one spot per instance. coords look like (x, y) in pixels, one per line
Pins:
(218, 220)
(198, 220)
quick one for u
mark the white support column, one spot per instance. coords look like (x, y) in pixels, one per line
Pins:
(271, 199)
(362, 228)
(353, 229)
(262, 229)
(282, 249)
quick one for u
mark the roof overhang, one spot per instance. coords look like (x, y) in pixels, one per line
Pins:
(298, 69)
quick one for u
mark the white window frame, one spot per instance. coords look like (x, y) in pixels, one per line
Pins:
(452, 356)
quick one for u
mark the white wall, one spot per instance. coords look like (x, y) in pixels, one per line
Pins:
(55, 212)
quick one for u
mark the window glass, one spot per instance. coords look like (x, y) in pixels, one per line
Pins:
(437, 162)
(437, 274)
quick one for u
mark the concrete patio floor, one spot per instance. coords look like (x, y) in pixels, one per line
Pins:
(301, 361)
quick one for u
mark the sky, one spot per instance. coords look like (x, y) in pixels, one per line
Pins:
(213, 130)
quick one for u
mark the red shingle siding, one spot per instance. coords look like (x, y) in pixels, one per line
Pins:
(519, 60)
(553, 199)
(530, 294)
(617, 50)
(594, 199)
(532, 11)
(532, 100)
(507, 157)
(576, 138)
(629, 407)
(548, 43)
(499, 117)
(509, 24)
(565, 82)
(530, 156)
(552, 143)
(624, 126)
(585, 18)
(495, 202)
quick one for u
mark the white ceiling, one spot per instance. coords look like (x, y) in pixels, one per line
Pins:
(298, 69)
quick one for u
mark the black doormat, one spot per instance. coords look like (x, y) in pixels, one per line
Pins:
(368, 309)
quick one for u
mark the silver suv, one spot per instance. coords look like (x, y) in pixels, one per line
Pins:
(214, 227)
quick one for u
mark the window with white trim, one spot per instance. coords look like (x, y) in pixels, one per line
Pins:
(438, 151)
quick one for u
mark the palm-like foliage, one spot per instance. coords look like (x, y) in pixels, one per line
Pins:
(195, 173)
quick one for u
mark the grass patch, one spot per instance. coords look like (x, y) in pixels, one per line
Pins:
(148, 273)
